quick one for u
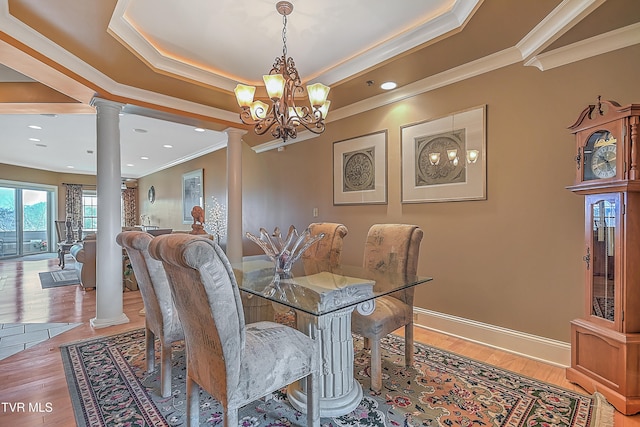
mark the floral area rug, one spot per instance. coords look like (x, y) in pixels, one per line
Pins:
(109, 387)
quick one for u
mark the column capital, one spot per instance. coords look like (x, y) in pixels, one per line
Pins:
(100, 102)
(235, 132)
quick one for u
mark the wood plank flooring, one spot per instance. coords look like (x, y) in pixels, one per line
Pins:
(36, 377)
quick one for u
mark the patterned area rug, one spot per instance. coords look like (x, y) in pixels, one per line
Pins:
(109, 386)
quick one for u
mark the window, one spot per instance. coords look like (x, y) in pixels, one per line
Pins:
(89, 211)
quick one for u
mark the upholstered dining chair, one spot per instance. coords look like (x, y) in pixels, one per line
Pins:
(389, 248)
(325, 254)
(161, 317)
(235, 362)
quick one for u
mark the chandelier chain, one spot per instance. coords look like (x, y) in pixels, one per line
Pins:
(284, 35)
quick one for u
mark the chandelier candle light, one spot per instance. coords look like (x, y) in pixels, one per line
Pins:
(284, 117)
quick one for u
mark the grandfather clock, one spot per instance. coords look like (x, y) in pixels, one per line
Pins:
(605, 342)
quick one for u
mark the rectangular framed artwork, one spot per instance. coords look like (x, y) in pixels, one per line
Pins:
(445, 159)
(192, 194)
(360, 170)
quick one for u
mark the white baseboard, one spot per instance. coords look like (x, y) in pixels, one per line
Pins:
(557, 353)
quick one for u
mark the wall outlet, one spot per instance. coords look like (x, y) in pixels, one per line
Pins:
(315, 212)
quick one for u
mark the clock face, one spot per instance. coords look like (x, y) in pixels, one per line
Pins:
(603, 162)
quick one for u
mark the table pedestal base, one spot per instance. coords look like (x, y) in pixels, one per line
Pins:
(329, 406)
(340, 393)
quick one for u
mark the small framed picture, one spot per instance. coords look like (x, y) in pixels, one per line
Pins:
(444, 159)
(360, 170)
(192, 194)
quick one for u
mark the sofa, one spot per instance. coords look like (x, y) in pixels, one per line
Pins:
(84, 253)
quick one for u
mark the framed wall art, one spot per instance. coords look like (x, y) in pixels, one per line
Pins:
(192, 194)
(360, 170)
(445, 159)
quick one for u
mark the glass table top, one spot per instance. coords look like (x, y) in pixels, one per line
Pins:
(320, 293)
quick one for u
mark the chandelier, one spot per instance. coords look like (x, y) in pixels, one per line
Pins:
(283, 117)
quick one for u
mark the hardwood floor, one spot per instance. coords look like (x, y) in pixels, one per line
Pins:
(36, 376)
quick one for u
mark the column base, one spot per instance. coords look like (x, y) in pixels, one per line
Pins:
(329, 407)
(103, 323)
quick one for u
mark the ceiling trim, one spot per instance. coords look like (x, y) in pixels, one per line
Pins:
(553, 26)
(31, 38)
(25, 64)
(45, 108)
(597, 45)
(121, 29)
(214, 146)
(452, 20)
(127, 33)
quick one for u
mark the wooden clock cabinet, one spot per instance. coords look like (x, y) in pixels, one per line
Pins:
(605, 342)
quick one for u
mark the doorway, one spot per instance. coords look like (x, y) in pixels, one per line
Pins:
(26, 218)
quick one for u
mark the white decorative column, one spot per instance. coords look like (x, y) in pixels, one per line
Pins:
(234, 194)
(340, 392)
(108, 253)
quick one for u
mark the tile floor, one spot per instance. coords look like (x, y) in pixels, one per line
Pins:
(15, 337)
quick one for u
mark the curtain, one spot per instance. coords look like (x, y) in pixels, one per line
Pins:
(129, 207)
(73, 203)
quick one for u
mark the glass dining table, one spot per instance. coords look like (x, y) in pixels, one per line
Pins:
(323, 303)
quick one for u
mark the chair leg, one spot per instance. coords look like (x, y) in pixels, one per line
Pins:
(165, 369)
(376, 366)
(408, 345)
(313, 399)
(193, 403)
(150, 351)
(366, 343)
(230, 417)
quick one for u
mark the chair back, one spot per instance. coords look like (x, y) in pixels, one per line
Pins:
(160, 312)
(208, 301)
(325, 254)
(393, 248)
(61, 231)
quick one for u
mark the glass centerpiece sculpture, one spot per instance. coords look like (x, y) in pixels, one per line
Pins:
(284, 252)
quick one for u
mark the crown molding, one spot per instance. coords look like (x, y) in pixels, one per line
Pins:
(121, 29)
(453, 19)
(25, 34)
(553, 26)
(598, 45)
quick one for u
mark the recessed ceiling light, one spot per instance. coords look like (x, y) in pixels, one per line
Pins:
(35, 127)
(388, 85)
(34, 139)
(130, 165)
(168, 146)
(140, 130)
(70, 167)
(144, 158)
(199, 130)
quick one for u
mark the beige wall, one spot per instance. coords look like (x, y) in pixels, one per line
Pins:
(513, 260)
(37, 176)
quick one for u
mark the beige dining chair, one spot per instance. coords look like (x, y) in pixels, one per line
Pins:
(161, 317)
(389, 248)
(236, 363)
(325, 254)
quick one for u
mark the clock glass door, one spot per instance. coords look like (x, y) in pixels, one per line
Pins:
(603, 252)
(599, 159)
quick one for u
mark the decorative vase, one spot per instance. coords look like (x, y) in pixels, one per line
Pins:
(284, 253)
